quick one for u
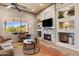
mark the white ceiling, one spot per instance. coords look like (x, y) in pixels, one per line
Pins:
(32, 7)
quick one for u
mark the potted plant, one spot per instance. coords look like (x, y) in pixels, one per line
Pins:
(61, 14)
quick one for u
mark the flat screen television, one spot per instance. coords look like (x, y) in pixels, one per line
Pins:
(47, 23)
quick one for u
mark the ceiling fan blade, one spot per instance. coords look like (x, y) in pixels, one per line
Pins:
(18, 9)
(16, 6)
(19, 5)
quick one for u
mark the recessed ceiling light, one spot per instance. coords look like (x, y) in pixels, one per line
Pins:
(41, 4)
(33, 9)
(8, 7)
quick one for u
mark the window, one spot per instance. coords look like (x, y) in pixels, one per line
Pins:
(16, 26)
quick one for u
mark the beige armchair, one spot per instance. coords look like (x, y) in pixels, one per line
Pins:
(6, 51)
(2, 39)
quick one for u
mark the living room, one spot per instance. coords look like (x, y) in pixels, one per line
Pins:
(39, 29)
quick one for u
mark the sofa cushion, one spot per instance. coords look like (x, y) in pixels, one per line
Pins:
(6, 45)
(1, 48)
(2, 39)
(8, 52)
(7, 39)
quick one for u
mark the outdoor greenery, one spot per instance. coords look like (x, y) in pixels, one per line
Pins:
(12, 29)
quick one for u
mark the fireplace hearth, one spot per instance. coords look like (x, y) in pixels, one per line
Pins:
(47, 37)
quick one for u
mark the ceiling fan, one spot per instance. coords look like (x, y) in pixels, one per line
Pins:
(17, 6)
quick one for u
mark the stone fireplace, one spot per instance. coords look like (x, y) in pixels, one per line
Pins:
(47, 37)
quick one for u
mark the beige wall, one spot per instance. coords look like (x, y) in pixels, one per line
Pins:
(10, 14)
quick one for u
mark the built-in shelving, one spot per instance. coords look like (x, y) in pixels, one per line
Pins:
(65, 19)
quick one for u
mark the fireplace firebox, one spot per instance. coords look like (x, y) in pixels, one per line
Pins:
(47, 37)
